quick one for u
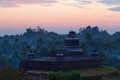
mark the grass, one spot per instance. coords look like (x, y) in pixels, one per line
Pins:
(107, 73)
(104, 71)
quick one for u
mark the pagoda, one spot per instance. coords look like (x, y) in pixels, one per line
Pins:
(71, 57)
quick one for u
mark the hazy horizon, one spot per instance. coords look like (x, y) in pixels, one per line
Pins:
(65, 30)
(58, 15)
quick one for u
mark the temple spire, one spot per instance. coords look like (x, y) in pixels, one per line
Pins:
(72, 34)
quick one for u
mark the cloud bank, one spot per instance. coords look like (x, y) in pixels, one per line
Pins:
(15, 3)
(77, 3)
(84, 1)
(115, 9)
(110, 2)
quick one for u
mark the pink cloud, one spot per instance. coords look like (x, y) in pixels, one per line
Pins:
(15, 3)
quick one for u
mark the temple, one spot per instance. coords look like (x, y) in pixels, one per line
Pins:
(71, 57)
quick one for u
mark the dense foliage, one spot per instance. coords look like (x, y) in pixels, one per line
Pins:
(73, 75)
(13, 48)
(11, 74)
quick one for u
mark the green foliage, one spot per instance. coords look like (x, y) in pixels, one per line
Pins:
(11, 74)
(88, 36)
(103, 73)
(73, 75)
(52, 76)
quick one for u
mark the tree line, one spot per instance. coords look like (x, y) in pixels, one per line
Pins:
(14, 48)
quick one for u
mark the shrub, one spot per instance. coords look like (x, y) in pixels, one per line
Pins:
(11, 74)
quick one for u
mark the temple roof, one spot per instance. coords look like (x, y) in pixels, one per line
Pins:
(74, 49)
(61, 59)
(73, 38)
(72, 34)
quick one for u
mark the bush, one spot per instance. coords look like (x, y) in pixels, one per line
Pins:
(11, 74)
(74, 75)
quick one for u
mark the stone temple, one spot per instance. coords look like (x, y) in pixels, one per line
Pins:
(71, 57)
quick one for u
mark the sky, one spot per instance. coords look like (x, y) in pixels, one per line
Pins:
(58, 15)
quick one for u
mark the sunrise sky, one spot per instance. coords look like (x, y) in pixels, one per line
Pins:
(58, 15)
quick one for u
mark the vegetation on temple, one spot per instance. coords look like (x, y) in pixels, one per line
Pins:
(13, 48)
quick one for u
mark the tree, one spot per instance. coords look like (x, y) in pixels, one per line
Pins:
(88, 36)
(29, 30)
(95, 30)
(25, 49)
